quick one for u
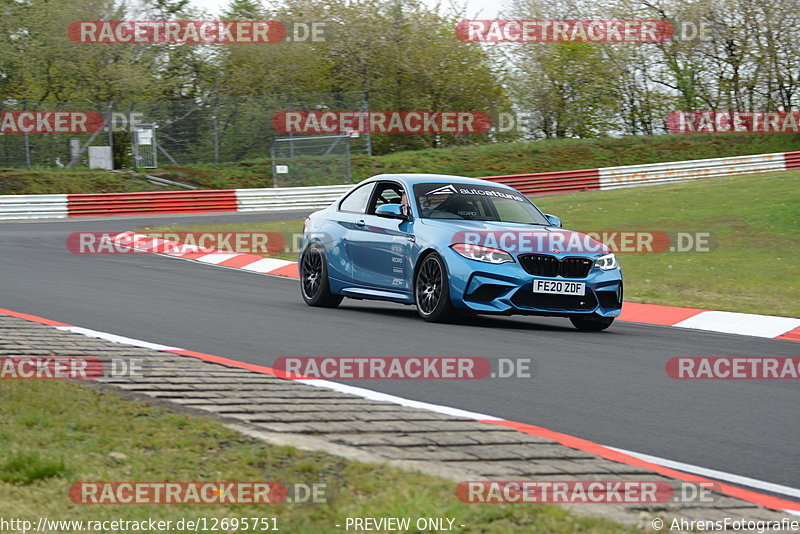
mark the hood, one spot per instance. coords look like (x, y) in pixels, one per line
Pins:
(519, 238)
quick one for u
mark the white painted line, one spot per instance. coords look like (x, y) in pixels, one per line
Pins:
(342, 388)
(172, 248)
(378, 396)
(149, 243)
(741, 323)
(713, 473)
(266, 265)
(455, 412)
(215, 258)
(765, 326)
(186, 249)
(115, 338)
(191, 249)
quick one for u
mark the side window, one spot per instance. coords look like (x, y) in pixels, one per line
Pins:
(356, 201)
(511, 210)
(386, 193)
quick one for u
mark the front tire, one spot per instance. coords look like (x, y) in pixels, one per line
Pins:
(592, 323)
(432, 291)
(314, 284)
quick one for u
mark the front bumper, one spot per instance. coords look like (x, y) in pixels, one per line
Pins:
(507, 289)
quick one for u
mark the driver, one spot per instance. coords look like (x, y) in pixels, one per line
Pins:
(405, 204)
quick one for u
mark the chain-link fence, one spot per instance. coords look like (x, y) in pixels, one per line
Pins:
(211, 130)
(298, 160)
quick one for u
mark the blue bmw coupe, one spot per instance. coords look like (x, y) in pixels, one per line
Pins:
(455, 246)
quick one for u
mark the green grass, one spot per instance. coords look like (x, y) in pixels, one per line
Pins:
(43, 181)
(489, 159)
(287, 229)
(753, 220)
(473, 160)
(26, 467)
(74, 429)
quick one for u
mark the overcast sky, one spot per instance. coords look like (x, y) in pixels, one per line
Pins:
(485, 9)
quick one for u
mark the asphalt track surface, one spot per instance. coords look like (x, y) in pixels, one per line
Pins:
(608, 387)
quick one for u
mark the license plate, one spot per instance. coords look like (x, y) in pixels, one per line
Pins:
(555, 287)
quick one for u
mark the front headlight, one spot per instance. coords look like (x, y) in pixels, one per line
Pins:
(485, 254)
(607, 262)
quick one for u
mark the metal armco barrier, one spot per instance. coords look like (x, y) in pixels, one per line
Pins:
(544, 183)
(792, 160)
(268, 199)
(662, 173)
(282, 198)
(151, 202)
(33, 206)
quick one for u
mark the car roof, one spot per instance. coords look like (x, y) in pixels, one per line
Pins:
(414, 178)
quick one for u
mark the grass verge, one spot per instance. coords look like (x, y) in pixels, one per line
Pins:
(753, 222)
(472, 160)
(489, 159)
(46, 181)
(74, 430)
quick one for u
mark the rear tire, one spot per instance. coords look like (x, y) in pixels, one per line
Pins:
(592, 323)
(314, 284)
(432, 291)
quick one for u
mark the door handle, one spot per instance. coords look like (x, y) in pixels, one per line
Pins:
(360, 223)
(411, 238)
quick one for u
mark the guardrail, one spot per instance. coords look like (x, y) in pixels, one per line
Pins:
(663, 173)
(33, 206)
(283, 198)
(792, 160)
(167, 202)
(548, 183)
(648, 174)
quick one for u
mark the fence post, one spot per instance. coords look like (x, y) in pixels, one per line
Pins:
(26, 139)
(215, 120)
(110, 127)
(347, 157)
(132, 131)
(27, 151)
(369, 136)
(289, 108)
(272, 161)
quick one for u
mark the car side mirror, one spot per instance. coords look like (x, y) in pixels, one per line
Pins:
(392, 211)
(554, 221)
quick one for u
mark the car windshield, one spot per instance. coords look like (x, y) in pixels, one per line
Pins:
(475, 203)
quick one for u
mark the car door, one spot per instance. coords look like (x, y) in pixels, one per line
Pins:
(348, 215)
(380, 247)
